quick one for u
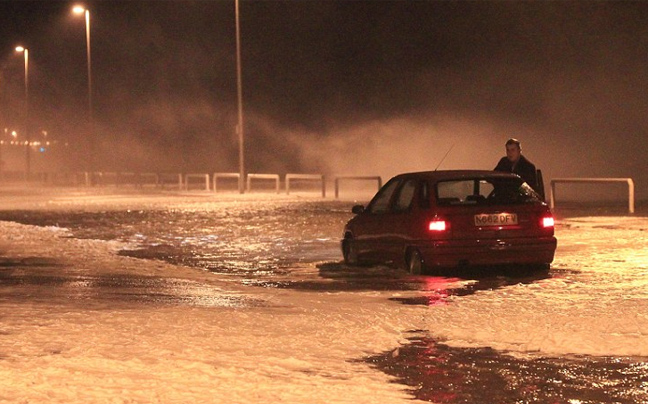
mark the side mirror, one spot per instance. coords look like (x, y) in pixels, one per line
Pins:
(357, 209)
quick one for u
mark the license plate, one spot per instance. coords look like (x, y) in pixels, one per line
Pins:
(496, 219)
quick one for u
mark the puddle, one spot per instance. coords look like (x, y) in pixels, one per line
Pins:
(437, 290)
(17, 286)
(442, 374)
(7, 262)
(337, 277)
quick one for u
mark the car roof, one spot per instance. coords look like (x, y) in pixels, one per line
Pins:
(445, 175)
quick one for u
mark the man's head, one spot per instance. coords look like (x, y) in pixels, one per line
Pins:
(513, 150)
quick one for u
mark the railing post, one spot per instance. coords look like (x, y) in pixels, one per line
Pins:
(631, 195)
(337, 187)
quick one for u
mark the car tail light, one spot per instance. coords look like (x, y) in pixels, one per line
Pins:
(437, 225)
(547, 222)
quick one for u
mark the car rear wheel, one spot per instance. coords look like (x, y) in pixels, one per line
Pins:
(415, 264)
(349, 252)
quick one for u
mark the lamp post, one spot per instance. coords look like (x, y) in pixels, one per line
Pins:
(82, 10)
(239, 87)
(25, 52)
(2, 141)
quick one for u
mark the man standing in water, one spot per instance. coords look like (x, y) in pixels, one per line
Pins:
(516, 163)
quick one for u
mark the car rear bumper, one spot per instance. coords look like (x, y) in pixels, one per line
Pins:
(450, 253)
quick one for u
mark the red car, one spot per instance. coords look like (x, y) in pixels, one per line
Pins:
(436, 219)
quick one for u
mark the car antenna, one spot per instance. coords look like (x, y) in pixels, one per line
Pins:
(446, 155)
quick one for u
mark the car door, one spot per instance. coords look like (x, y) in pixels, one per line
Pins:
(402, 220)
(371, 228)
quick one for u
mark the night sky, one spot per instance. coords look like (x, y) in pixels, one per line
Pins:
(337, 87)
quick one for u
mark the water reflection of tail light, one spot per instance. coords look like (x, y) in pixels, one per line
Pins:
(437, 225)
(548, 221)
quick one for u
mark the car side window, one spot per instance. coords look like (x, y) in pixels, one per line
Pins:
(380, 203)
(405, 196)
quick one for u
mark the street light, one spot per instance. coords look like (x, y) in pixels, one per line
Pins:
(239, 87)
(25, 52)
(1, 144)
(82, 10)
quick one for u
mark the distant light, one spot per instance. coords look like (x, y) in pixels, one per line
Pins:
(78, 9)
(14, 133)
(20, 49)
(42, 149)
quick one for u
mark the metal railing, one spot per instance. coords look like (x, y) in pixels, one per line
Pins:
(631, 191)
(306, 177)
(204, 177)
(274, 177)
(216, 176)
(173, 179)
(355, 178)
(179, 181)
(153, 179)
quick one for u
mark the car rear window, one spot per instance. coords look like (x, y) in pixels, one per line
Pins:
(480, 191)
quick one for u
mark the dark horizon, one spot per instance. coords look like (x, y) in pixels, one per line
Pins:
(338, 86)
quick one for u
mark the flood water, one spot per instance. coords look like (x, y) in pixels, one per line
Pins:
(295, 245)
(248, 239)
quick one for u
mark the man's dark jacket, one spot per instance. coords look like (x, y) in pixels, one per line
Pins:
(524, 168)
